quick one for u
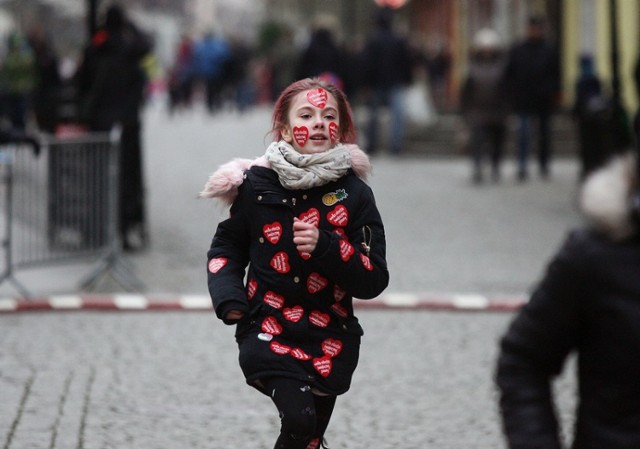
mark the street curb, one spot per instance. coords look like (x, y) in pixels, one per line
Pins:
(132, 303)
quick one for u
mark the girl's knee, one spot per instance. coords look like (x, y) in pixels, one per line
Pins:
(299, 426)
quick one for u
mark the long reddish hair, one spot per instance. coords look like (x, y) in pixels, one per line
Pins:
(347, 130)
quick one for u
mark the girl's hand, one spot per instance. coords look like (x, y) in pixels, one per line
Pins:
(305, 236)
(234, 315)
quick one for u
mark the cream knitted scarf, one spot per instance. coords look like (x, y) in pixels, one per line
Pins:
(298, 171)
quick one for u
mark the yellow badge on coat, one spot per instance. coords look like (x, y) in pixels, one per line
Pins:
(331, 198)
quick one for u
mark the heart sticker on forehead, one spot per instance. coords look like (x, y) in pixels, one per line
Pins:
(318, 97)
(301, 135)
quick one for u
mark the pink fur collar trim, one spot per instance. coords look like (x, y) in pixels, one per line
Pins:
(224, 182)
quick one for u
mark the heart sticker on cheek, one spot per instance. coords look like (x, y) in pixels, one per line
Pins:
(301, 135)
(333, 132)
(318, 97)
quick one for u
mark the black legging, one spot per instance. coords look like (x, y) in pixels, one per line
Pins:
(304, 416)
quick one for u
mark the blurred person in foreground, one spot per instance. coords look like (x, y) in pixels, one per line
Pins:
(386, 73)
(483, 103)
(587, 303)
(111, 82)
(533, 80)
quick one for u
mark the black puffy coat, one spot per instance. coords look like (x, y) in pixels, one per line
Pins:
(588, 303)
(299, 319)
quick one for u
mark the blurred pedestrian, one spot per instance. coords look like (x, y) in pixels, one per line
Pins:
(48, 87)
(439, 68)
(323, 57)
(587, 304)
(111, 84)
(18, 77)
(282, 61)
(484, 103)
(210, 58)
(304, 220)
(181, 76)
(353, 52)
(591, 113)
(387, 70)
(533, 77)
(239, 74)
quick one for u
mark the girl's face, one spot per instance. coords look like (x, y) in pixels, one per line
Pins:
(313, 122)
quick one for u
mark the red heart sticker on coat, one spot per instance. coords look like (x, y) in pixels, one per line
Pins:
(366, 262)
(333, 131)
(338, 292)
(318, 97)
(346, 250)
(305, 256)
(340, 310)
(300, 135)
(331, 347)
(271, 326)
(339, 216)
(280, 262)
(279, 348)
(316, 283)
(252, 286)
(216, 264)
(274, 300)
(293, 313)
(272, 232)
(323, 365)
(312, 216)
(319, 319)
(314, 444)
(300, 354)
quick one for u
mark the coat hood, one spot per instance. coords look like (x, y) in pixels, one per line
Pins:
(606, 194)
(224, 182)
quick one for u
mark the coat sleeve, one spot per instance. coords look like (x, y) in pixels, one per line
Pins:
(534, 349)
(227, 259)
(358, 263)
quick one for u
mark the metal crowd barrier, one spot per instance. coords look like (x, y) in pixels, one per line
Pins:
(60, 204)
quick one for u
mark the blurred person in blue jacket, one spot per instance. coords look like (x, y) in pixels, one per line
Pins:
(211, 56)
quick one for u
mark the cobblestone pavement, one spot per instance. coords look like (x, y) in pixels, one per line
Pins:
(153, 380)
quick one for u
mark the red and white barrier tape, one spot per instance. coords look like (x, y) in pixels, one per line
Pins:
(132, 302)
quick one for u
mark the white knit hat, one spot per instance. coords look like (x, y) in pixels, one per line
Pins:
(486, 38)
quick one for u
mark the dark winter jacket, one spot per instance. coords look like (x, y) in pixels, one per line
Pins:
(588, 303)
(386, 60)
(533, 76)
(299, 319)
